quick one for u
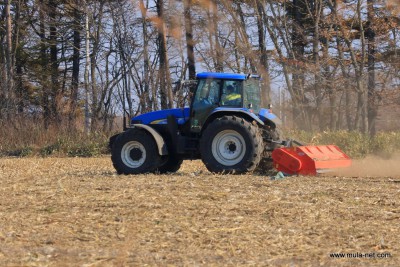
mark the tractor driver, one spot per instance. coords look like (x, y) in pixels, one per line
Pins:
(231, 97)
(202, 98)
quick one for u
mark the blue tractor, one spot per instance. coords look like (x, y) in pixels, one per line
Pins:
(225, 126)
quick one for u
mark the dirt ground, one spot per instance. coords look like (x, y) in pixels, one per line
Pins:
(78, 212)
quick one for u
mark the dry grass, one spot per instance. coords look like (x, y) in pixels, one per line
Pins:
(77, 212)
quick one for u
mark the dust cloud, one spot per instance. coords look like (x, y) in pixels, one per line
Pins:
(373, 166)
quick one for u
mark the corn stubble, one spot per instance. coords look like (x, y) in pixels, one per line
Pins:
(77, 211)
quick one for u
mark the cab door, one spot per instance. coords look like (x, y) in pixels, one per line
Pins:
(206, 99)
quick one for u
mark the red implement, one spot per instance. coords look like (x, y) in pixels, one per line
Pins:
(308, 160)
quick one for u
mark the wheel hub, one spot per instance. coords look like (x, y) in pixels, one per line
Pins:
(228, 147)
(136, 154)
(232, 147)
(133, 154)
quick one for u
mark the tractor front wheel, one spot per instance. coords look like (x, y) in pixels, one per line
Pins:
(170, 164)
(134, 152)
(231, 144)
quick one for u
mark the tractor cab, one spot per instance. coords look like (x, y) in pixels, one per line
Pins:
(219, 92)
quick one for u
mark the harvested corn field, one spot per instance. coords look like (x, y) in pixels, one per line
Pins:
(78, 212)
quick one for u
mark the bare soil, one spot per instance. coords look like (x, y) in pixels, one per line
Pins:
(78, 212)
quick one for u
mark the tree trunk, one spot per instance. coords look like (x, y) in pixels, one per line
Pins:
(3, 72)
(148, 91)
(20, 94)
(44, 67)
(165, 83)
(8, 92)
(219, 67)
(96, 105)
(189, 39)
(317, 12)
(360, 85)
(264, 66)
(370, 34)
(213, 38)
(55, 94)
(249, 64)
(87, 70)
(77, 16)
(301, 105)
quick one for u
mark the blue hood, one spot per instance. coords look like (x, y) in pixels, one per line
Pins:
(266, 114)
(160, 116)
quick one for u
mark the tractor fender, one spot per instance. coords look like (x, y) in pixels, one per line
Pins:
(268, 117)
(219, 112)
(161, 145)
(227, 111)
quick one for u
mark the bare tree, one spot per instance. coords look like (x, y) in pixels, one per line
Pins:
(88, 121)
(77, 29)
(370, 34)
(8, 89)
(264, 64)
(337, 60)
(165, 80)
(150, 93)
(189, 39)
(53, 34)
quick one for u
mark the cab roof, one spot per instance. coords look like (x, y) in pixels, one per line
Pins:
(221, 75)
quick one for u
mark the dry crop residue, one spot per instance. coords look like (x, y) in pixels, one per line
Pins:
(78, 212)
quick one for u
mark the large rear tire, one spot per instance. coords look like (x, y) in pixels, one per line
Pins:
(134, 152)
(231, 144)
(266, 164)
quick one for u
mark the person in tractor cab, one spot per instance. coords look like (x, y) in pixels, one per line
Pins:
(231, 98)
(204, 97)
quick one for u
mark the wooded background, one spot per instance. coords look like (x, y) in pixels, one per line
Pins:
(326, 64)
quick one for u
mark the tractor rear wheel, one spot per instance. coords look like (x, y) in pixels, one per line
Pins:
(266, 164)
(134, 152)
(231, 144)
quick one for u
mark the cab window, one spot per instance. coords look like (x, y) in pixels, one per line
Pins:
(252, 94)
(232, 93)
(207, 92)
